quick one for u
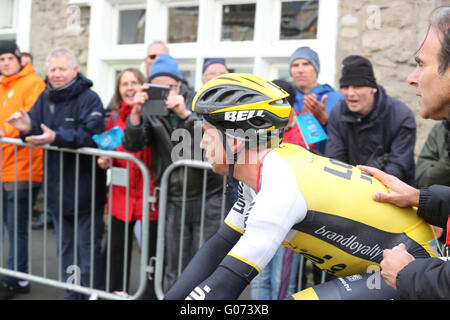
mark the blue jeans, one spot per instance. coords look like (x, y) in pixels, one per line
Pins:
(79, 273)
(266, 285)
(19, 263)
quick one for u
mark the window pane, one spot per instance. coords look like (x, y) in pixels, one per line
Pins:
(131, 26)
(6, 16)
(183, 24)
(299, 20)
(238, 22)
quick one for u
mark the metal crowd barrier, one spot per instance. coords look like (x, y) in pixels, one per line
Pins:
(118, 177)
(163, 199)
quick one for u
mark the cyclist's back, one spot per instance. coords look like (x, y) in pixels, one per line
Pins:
(316, 206)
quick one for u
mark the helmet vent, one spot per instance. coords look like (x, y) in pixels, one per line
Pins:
(208, 95)
(247, 98)
(226, 97)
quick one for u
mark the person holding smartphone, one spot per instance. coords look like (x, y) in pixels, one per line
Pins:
(144, 129)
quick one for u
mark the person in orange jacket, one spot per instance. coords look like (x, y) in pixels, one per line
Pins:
(20, 87)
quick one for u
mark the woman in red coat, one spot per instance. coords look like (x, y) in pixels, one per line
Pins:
(128, 82)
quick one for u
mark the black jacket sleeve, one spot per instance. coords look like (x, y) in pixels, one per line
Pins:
(424, 279)
(434, 205)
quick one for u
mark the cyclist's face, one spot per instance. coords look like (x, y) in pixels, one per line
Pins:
(212, 144)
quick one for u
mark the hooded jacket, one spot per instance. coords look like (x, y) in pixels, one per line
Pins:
(19, 91)
(75, 114)
(383, 138)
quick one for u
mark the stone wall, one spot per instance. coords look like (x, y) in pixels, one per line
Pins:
(388, 33)
(55, 23)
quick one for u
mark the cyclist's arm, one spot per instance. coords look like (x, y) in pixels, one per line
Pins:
(208, 258)
(204, 262)
(277, 207)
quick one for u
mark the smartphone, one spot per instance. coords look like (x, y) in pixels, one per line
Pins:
(156, 105)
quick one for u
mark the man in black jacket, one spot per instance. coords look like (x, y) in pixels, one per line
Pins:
(423, 278)
(369, 127)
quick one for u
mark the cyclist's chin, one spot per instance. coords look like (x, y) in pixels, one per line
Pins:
(221, 169)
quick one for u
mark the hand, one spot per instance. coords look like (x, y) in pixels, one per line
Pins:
(175, 102)
(315, 107)
(103, 162)
(20, 120)
(47, 137)
(393, 262)
(140, 98)
(400, 193)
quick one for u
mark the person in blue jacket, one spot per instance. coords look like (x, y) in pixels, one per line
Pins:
(66, 115)
(311, 96)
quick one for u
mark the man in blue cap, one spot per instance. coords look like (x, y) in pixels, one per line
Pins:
(311, 96)
(213, 67)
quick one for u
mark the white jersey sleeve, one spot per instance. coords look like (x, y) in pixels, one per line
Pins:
(266, 218)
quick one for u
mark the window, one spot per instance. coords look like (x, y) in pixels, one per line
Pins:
(299, 20)
(7, 14)
(183, 24)
(238, 22)
(131, 26)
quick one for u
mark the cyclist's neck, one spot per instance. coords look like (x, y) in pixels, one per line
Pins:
(248, 165)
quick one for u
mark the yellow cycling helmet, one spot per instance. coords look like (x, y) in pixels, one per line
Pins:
(243, 101)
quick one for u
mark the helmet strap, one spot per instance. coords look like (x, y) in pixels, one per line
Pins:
(229, 151)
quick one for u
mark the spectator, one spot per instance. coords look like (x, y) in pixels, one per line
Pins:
(213, 67)
(311, 96)
(154, 51)
(423, 278)
(19, 89)
(128, 82)
(433, 163)
(278, 279)
(26, 58)
(156, 131)
(370, 127)
(66, 115)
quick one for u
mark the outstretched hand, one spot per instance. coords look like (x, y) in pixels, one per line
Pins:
(393, 262)
(20, 120)
(400, 193)
(47, 137)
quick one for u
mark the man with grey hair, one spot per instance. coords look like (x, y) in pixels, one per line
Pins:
(66, 115)
(423, 278)
(155, 49)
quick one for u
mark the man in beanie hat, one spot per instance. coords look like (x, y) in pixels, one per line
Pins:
(155, 130)
(213, 67)
(311, 96)
(370, 127)
(20, 87)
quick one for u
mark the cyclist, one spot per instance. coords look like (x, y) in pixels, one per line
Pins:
(317, 206)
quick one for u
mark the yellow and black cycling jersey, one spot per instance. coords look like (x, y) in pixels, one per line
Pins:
(323, 209)
(318, 207)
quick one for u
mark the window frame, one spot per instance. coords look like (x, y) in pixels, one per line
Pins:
(11, 33)
(116, 8)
